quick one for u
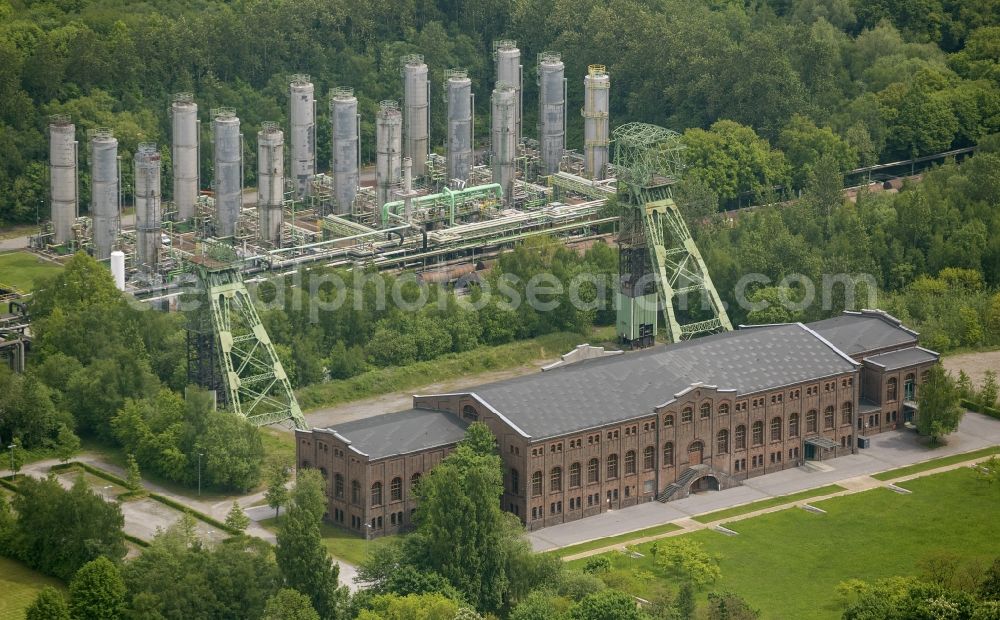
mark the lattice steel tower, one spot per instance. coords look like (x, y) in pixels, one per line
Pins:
(230, 351)
(658, 259)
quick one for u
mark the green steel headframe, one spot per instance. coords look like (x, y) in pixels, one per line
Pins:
(654, 240)
(647, 155)
(255, 381)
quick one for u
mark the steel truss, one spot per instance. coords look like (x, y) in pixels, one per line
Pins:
(648, 161)
(254, 380)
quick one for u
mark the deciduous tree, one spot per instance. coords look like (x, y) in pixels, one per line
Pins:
(97, 591)
(939, 412)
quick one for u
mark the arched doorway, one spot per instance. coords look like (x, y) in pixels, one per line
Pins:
(695, 451)
(705, 483)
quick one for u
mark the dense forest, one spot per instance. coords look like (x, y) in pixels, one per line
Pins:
(760, 89)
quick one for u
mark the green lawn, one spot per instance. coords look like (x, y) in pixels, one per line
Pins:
(736, 511)
(341, 543)
(788, 563)
(614, 540)
(450, 366)
(935, 463)
(18, 587)
(23, 269)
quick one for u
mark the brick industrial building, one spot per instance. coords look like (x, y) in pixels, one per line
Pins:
(605, 433)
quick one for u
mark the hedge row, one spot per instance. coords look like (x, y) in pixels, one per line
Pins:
(194, 513)
(993, 412)
(7, 484)
(135, 540)
(154, 496)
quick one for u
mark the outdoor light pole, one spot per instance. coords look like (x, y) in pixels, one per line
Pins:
(11, 447)
(200, 454)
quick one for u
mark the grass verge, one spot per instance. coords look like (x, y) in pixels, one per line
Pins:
(788, 563)
(23, 270)
(944, 461)
(341, 543)
(770, 502)
(450, 366)
(19, 585)
(563, 552)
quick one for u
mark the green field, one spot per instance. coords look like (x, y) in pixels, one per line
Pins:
(18, 587)
(341, 543)
(665, 528)
(450, 366)
(736, 511)
(935, 463)
(788, 563)
(23, 269)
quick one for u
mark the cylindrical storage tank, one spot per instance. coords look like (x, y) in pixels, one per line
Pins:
(271, 181)
(416, 106)
(552, 110)
(509, 72)
(184, 125)
(458, 94)
(228, 158)
(303, 123)
(344, 132)
(388, 147)
(118, 269)
(596, 91)
(147, 207)
(104, 190)
(63, 176)
(504, 138)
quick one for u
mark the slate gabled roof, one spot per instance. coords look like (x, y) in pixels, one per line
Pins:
(402, 432)
(603, 391)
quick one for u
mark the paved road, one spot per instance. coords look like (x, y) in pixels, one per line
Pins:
(888, 451)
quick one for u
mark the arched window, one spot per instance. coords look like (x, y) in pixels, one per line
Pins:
(811, 421)
(377, 494)
(414, 479)
(555, 479)
(706, 410)
(574, 475)
(909, 387)
(322, 470)
(828, 417)
(355, 492)
(741, 437)
(648, 457)
(722, 441)
(793, 425)
(724, 409)
(536, 483)
(338, 486)
(775, 429)
(758, 433)
(668, 421)
(630, 462)
(593, 471)
(846, 412)
(687, 414)
(515, 481)
(891, 389)
(612, 466)
(396, 490)
(668, 454)
(469, 413)
(925, 376)
(696, 447)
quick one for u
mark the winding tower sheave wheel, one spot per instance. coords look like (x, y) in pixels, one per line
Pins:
(253, 378)
(659, 262)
